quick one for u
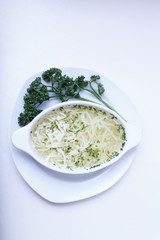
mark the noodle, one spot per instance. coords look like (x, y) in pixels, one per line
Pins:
(78, 136)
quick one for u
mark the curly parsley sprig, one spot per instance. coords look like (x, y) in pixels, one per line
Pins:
(61, 87)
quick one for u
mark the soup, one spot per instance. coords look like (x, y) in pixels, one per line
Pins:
(78, 137)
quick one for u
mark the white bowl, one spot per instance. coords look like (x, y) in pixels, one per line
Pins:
(21, 138)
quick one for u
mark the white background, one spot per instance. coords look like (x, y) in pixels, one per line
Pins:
(119, 39)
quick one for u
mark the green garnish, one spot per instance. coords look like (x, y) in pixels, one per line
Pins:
(60, 87)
